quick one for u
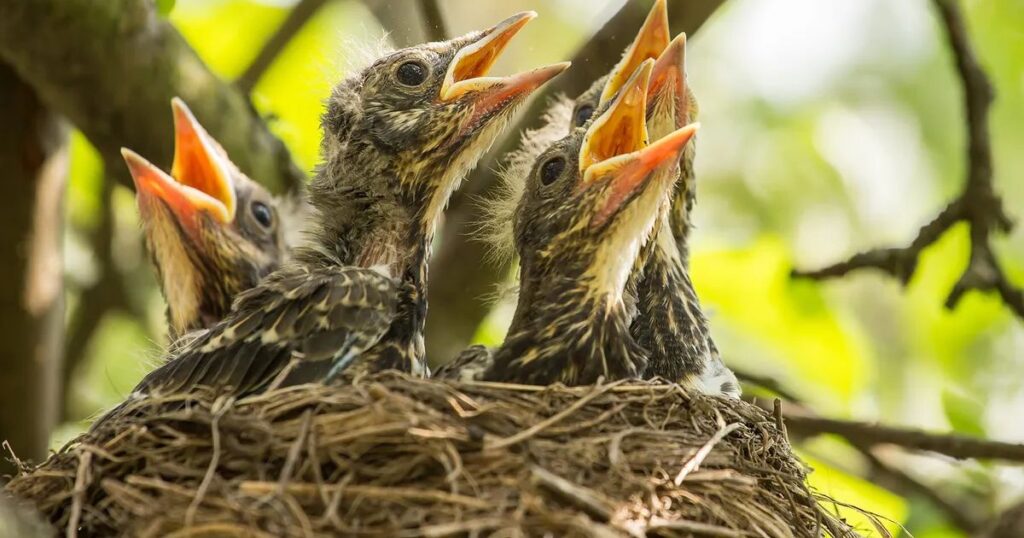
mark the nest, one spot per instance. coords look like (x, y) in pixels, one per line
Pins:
(393, 455)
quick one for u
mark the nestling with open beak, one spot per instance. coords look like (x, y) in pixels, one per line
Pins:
(210, 230)
(666, 315)
(670, 323)
(588, 206)
(399, 136)
(652, 42)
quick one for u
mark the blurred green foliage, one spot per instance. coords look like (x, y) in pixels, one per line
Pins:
(829, 127)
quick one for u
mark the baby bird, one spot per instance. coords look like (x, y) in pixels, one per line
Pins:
(211, 232)
(666, 317)
(588, 205)
(399, 136)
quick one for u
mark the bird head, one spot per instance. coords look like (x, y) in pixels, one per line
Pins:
(588, 206)
(650, 41)
(211, 231)
(407, 128)
(592, 199)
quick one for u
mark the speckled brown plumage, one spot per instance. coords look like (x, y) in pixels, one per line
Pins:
(397, 141)
(578, 232)
(667, 318)
(211, 232)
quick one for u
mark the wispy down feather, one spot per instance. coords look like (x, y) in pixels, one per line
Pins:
(495, 225)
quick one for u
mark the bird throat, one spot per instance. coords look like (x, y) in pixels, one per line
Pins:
(569, 336)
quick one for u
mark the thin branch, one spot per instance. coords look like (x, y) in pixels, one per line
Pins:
(896, 479)
(112, 68)
(296, 20)
(890, 476)
(433, 20)
(978, 205)
(870, 434)
(107, 294)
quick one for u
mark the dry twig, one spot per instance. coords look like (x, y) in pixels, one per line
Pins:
(868, 434)
(368, 468)
(978, 205)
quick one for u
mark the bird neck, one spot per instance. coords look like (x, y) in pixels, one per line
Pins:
(563, 332)
(683, 199)
(670, 324)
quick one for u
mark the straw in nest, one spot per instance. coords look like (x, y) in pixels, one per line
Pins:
(393, 455)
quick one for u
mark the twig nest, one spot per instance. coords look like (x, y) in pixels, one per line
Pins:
(393, 455)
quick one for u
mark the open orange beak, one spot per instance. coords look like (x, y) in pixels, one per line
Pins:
(669, 75)
(632, 172)
(468, 70)
(620, 129)
(185, 202)
(649, 43)
(200, 166)
(615, 148)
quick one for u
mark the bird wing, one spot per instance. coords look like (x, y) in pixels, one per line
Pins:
(329, 314)
(469, 365)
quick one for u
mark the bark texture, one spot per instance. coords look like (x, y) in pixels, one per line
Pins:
(112, 67)
(33, 158)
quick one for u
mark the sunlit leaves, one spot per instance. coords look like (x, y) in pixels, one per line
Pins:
(164, 6)
(855, 491)
(749, 290)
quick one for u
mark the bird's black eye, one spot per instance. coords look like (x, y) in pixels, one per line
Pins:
(411, 73)
(262, 213)
(583, 114)
(550, 170)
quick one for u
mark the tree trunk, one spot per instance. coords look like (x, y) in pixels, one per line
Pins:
(34, 159)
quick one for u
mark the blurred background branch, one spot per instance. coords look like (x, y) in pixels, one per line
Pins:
(803, 423)
(34, 160)
(297, 18)
(433, 20)
(978, 205)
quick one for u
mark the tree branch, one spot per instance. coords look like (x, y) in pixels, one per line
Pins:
(34, 160)
(296, 20)
(868, 434)
(433, 20)
(893, 478)
(107, 294)
(458, 290)
(112, 68)
(1009, 523)
(888, 475)
(978, 204)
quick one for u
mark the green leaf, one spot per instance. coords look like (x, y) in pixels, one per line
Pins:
(963, 413)
(164, 6)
